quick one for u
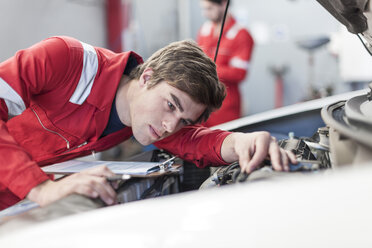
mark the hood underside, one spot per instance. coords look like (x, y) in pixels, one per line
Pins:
(354, 14)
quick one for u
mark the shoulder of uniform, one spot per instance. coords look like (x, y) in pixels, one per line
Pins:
(68, 41)
(206, 28)
(235, 30)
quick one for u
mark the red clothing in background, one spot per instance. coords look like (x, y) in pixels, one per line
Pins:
(232, 62)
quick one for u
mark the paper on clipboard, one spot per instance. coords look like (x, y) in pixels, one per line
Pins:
(122, 167)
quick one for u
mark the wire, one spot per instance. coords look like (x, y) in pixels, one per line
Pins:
(364, 44)
(223, 24)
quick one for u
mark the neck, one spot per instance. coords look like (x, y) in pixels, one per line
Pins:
(123, 96)
(217, 27)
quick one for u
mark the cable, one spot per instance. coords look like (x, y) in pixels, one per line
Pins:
(364, 44)
(223, 24)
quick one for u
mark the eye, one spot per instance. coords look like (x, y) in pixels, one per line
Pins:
(184, 122)
(171, 106)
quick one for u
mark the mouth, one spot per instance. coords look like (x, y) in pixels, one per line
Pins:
(154, 133)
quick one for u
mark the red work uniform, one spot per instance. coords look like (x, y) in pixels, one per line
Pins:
(234, 55)
(59, 94)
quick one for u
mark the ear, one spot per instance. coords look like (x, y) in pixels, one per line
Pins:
(145, 76)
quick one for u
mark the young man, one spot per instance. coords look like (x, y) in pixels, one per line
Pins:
(68, 99)
(233, 58)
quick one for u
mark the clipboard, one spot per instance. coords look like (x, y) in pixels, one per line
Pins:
(164, 168)
(124, 170)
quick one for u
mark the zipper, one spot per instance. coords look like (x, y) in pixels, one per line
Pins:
(76, 147)
(60, 135)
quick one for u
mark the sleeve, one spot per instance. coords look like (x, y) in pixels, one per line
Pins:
(30, 72)
(236, 70)
(197, 144)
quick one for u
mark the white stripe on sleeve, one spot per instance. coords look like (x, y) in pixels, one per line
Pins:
(88, 74)
(239, 63)
(13, 101)
(233, 31)
(206, 29)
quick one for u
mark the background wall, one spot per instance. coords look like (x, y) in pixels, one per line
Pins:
(276, 25)
(25, 22)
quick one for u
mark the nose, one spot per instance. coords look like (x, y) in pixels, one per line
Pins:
(170, 125)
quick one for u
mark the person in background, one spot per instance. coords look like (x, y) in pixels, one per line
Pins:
(233, 58)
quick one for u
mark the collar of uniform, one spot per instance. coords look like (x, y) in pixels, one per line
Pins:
(110, 71)
(106, 83)
(230, 21)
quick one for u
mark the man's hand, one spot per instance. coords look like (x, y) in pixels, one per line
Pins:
(250, 149)
(91, 183)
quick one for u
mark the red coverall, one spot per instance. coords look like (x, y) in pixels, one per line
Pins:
(232, 62)
(59, 93)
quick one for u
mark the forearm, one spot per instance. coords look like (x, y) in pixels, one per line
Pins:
(230, 74)
(91, 183)
(196, 144)
(228, 152)
(36, 193)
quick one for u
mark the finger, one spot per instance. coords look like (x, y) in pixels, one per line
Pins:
(259, 155)
(86, 190)
(285, 159)
(244, 158)
(104, 190)
(93, 186)
(276, 156)
(88, 185)
(292, 157)
(115, 184)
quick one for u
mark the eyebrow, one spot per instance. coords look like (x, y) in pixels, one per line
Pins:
(178, 104)
(177, 101)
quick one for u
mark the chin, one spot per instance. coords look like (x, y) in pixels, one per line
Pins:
(146, 143)
(142, 140)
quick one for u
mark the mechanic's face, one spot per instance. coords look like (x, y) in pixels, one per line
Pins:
(161, 111)
(212, 11)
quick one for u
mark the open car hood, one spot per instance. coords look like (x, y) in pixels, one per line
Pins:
(356, 15)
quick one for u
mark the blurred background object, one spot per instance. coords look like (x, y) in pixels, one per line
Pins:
(278, 72)
(311, 46)
(146, 25)
(230, 45)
